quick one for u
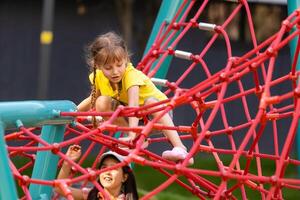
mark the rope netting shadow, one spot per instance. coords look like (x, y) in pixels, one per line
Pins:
(248, 83)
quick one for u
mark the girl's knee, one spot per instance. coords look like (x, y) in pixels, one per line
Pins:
(150, 100)
(103, 104)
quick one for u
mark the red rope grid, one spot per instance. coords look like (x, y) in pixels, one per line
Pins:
(212, 103)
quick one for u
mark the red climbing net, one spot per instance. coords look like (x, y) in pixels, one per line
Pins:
(264, 129)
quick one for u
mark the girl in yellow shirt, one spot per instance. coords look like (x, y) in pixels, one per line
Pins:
(114, 81)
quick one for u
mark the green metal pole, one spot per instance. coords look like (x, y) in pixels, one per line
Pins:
(8, 187)
(166, 12)
(292, 6)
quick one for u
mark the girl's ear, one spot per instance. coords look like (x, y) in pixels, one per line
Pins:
(95, 65)
(125, 177)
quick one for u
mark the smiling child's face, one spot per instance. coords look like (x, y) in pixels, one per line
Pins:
(112, 179)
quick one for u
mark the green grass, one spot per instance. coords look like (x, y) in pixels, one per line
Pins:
(149, 178)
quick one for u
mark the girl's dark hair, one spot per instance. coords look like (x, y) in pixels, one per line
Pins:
(106, 48)
(129, 186)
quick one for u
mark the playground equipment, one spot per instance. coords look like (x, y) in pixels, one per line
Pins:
(239, 163)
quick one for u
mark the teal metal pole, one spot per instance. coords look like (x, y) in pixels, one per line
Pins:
(8, 187)
(292, 6)
(45, 166)
(166, 12)
(35, 113)
(30, 114)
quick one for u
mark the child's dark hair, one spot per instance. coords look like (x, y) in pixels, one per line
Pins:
(129, 186)
(106, 48)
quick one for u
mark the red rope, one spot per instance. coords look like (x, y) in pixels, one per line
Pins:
(242, 140)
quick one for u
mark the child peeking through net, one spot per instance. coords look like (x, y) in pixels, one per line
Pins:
(117, 183)
(116, 82)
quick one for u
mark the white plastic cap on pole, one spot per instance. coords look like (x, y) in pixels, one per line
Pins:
(183, 54)
(206, 26)
(159, 82)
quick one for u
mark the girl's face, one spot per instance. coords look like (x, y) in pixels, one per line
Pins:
(114, 71)
(112, 179)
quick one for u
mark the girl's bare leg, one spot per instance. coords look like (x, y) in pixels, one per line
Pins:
(108, 104)
(179, 152)
(172, 135)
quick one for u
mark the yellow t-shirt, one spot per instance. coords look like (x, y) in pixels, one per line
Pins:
(132, 77)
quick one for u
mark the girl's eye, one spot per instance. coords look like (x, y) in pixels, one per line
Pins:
(119, 64)
(107, 68)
